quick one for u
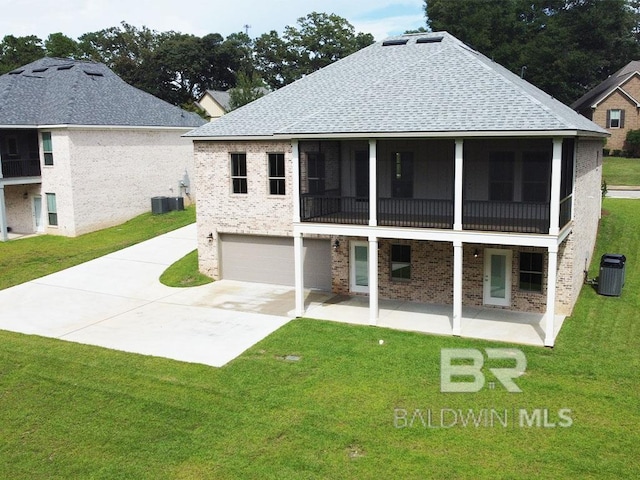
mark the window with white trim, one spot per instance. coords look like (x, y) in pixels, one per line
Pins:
(531, 265)
(276, 174)
(47, 148)
(52, 209)
(239, 172)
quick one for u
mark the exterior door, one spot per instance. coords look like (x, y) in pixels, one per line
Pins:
(359, 267)
(37, 214)
(497, 277)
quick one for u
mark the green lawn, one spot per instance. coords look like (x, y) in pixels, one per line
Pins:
(185, 273)
(621, 171)
(25, 259)
(75, 411)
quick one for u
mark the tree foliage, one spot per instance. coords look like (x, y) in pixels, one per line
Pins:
(18, 51)
(249, 87)
(565, 47)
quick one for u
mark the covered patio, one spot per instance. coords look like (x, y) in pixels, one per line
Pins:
(477, 322)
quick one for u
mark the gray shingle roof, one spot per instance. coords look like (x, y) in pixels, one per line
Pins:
(433, 87)
(54, 91)
(600, 91)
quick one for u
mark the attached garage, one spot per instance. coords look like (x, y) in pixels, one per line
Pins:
(263, 259)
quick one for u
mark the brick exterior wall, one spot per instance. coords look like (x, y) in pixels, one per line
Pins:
(221, 211)
(575, 252)
(619, 101)
(20, 209)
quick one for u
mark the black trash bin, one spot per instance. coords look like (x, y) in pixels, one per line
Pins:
(612, 274)
(159, 205)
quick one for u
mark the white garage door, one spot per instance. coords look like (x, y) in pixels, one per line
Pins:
(252, 258)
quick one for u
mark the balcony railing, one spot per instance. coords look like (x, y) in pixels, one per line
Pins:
(333, 209)
(506, 216)
(565, 211)
(415, 212)
(20, 168)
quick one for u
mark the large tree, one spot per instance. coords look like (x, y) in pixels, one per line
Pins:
(18, 51)
(564, 47)
(318, 40)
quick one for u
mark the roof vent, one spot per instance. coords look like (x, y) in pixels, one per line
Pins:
(397, 41)
(94, 74)
(39, 70)
(430, 39)
(65, 67)
(16, 72)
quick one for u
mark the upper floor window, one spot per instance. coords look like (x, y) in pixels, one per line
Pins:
(535, 177)
(615, 118)
(402, 175)
(12, 147)
(276, 174)
(239, 172)
(501, 171)
(315, 172)
(47, 148)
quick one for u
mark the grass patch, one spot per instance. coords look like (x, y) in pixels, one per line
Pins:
(621, 171)
(25, 259)
(185, 273)
(76, 411)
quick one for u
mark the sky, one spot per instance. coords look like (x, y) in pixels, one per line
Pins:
(199, 17)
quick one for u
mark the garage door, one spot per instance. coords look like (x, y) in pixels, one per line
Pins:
(252, 258)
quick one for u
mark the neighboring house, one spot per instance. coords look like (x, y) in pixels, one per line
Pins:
(614, 104)
(215, 103)
(415, 169)
(83, 150)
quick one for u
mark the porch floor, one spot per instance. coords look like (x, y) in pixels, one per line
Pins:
(477, 322)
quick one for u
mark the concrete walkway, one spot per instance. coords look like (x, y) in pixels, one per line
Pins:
(117, 302)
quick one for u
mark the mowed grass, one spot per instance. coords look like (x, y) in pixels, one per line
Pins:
(185, 273)
(75, 411)
(621, 171)
(25, 259)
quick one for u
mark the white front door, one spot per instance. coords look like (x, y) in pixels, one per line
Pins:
(37, 214)
(359, 267)
(497, 277)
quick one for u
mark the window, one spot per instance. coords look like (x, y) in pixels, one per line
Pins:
(615, 118)
(47, 148)
(400, 262)
(501, 176)
(276, 174)
(52, 209)
(531, 271)
(402, 175)
(12, 147)
(315, 174)
(535, 177)
(362, 175)
(239, 172)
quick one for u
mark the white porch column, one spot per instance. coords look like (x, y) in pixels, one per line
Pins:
(552, 276)
(298, 263)
(295, 153)
(556, 171)
(373, 183)
(457, 195)
(3, 215)
(457, 288)
(373, 281)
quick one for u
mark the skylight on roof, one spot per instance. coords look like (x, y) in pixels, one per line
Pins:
(437, 39)
(397, 41)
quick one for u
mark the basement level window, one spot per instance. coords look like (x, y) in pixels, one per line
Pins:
(93, 74)
(65, 67)
(437, 39)
(398, 41)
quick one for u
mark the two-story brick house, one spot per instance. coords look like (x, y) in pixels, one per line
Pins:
(414, 169)
(83, 150)
(614, 104)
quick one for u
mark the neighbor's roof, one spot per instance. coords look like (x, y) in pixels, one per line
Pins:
(222, 98)
(593, 97)
(428, 84)
(56, 91)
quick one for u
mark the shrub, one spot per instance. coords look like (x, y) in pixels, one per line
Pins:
(606, 152)
(617, 153)
(632, 143)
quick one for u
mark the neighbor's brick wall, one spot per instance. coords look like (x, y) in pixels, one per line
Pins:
(631, 115)
(115, 173)
(221, 211)
(432, 274)
(576, 251)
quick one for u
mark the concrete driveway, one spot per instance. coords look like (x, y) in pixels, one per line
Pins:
(117, 302)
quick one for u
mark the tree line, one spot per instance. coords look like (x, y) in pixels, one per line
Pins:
(565, 47)
(180, 67)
